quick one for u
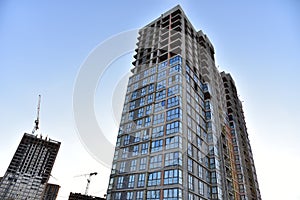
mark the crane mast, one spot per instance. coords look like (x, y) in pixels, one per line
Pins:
(36, 126)
(88, 180)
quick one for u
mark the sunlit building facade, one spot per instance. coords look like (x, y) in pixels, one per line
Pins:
(175, 139)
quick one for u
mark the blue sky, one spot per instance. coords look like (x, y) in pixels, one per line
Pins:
(43, 45)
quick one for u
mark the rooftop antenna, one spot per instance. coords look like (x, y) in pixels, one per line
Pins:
(36, 126)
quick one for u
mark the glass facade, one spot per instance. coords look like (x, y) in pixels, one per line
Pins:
(169, 144)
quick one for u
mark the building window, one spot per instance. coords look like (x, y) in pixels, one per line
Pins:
(155, 161)
(188, 78)
(162, 65)
(189, 135)
(201, 187)
(118, 196)
(173, 101)
(146, 72)
(148, 110)
(141, 180)
(131, 181)
(188, 97)
(173, 127)
(191, 196)
(153, 195)
(147, 121)
(142, 101)
(159, 106)
(143, 162)
(140, 195)
(160, 95)
(200, 171)
(158, 131)
(173, 142)
(139, 123)
(125, 152)
(150, 98)
(129, 196)
(161, 75)
(137, 77)
(134, 95)
(173, 114)
(130, 115)
(190, 149)
(113, 168)
(159, 118)
(140, 112)
(154, 178)
(111, 182)
(137, 137)
(174, 60)
(156, 145)
(144, 149)
(173, 177)
(161, 85)
(190, 165)
(126, 140)
(133, 165)
(151, 88)
(152, 79)
(174, 79)
(191, 182)
(145, 134)
(143, 91)
(174, 69)
(116, 155)
(176, 89)
(199, 142)
(173, 158)
(118, 142)
(120, 182)
(172, 194)
(135, 150)
(122, 167)
(145, 81)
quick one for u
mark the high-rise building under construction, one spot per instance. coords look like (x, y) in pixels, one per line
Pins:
(30, 168)
(182, 133)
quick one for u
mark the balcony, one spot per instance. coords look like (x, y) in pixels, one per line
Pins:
(206, 91)
(176, 51)
(205, 69)
(176, 43)
(176, 17)
(175, 36)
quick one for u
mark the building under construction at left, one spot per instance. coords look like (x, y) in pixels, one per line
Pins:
(30, 168)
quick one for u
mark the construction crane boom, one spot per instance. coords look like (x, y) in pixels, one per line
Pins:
(36, 126)
(88, 180)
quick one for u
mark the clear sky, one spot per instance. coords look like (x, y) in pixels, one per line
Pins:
(44, 43)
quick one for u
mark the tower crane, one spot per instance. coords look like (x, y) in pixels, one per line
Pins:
(36, 127)
(88, 180)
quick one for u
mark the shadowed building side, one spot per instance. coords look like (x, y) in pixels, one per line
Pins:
(30, 168)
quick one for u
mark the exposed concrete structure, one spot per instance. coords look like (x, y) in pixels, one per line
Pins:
(30, 168)
(50, 192)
